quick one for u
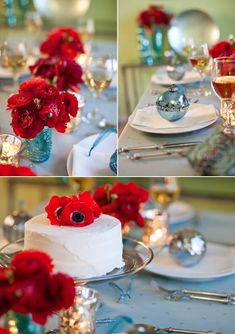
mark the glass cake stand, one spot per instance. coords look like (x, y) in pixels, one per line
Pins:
(136, 256)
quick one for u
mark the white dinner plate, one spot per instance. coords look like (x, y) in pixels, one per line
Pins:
(98, 163)
(180, 212)
(161, 78)
(168, 131)
(218, 262)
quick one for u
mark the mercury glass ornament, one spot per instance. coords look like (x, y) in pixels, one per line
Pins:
(187, 247)
(13, 224)
(172, 104)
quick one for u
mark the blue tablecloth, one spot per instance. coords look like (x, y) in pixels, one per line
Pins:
(147, 306)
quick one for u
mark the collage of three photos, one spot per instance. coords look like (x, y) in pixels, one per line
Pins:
(117, 165)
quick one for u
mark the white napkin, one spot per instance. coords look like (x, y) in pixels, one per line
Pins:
(98, 163)
(161, 78)
(196, 114)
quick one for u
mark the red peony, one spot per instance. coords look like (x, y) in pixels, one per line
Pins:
(78, 211)
(39, 104)
(122, 201)
(9, 170)
(153, 16)
(62, 43)
(31, 263)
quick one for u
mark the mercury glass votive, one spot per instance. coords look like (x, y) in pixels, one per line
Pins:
(155, 232)
(81, 317)
(76, 121)
(10, 147)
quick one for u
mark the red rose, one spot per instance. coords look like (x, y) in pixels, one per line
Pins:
(31, 264)
(61, 289)
(48, 93)
(32, 86)
(18, 100)
(55, 207)
(9, 170)
(62, 43)
(26, 122)
(70, 103)
(44, 67)
(69, 75)
(221, 49)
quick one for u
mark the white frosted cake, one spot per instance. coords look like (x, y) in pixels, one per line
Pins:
(85, 252)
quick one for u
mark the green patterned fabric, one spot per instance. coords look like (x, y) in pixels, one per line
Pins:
(215, 156)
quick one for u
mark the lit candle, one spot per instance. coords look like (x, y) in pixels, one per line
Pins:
(9, 149)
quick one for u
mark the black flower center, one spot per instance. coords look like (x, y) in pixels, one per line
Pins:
(77, 217)
(58, 212)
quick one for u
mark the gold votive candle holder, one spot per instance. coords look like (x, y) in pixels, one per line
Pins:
(81, 317)
(155, 231)
(10, 147)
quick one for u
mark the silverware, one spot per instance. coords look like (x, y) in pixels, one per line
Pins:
(103, 124)
(156, 147)
(162, 153)
(141, 328)
(176, 295)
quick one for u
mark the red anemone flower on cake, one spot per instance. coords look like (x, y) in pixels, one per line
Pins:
(77, 214)
(55, 207)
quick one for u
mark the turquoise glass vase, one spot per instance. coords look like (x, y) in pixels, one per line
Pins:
(159, 43)
(144, 46)
(22, 324)
(38, 149)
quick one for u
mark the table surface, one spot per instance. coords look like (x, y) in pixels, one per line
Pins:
(171, 166)
(146, 306)
(63, 143)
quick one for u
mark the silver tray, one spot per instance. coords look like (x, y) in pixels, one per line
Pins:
(136, 256)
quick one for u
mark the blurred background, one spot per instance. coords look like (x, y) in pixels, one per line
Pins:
(30, 16)
(222, 12)
(33, 193)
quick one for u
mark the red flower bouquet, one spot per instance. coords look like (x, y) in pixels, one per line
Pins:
(39, 104)
(9, 170)
(222, 49)
(78, 211)
(154, 15)
(62, 43)
(65, 74)
(28, 286)
(122, 201)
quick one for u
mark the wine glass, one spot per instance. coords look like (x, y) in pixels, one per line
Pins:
(187, 47)
(200, 60)
(86, 28)
(99, 72)
(223, 83)
(164, 191)
(14, 57)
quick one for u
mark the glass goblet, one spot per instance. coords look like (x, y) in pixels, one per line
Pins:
(223, 83)
(200, 60)
(99, 72)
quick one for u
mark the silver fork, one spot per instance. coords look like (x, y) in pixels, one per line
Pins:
(176, 295)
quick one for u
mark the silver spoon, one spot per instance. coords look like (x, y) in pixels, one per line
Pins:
(144, 328)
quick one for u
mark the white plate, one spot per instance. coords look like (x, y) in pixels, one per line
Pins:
(180, 212)
(98, 163)
(161, 78)
(219, 261)
(191, 128)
